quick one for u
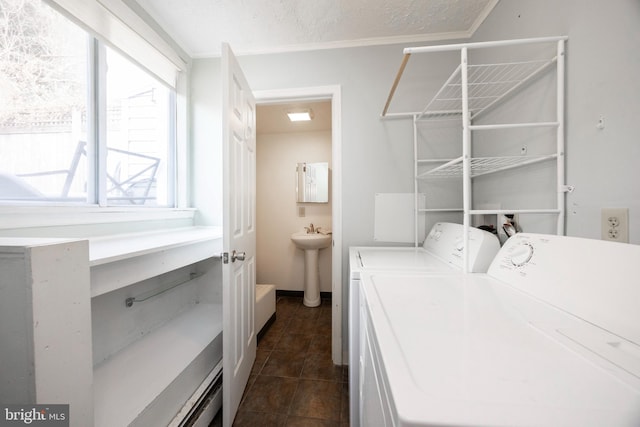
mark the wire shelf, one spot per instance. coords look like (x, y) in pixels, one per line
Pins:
(485, 87)
(483, 166)
(487, 84)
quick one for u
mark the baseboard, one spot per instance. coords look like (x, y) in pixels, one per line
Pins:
(266, 326)
(300, 294)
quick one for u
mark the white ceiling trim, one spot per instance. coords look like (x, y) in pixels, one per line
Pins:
(253, 28)
(375, 41)
(480, 19)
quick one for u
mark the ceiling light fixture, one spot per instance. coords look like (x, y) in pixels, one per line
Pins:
(300, 115)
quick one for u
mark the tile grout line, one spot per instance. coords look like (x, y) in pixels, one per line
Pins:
(300, 312)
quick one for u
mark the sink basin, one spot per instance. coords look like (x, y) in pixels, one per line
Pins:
(311, 241)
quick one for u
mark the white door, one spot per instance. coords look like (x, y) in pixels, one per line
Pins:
(239, 266)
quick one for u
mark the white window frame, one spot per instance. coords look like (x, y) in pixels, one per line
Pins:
(170, 66)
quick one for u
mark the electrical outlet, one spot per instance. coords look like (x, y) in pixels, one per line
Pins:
(615, 224)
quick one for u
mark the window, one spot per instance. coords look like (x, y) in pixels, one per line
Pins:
(79, 122)
(138, 135)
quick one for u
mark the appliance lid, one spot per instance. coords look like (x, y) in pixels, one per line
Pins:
(401, 259)
(469, 350)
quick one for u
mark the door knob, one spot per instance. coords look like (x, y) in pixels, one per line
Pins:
(237, 256)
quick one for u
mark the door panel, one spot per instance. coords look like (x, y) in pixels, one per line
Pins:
(239, 142)
(250, 325)
(237, 193)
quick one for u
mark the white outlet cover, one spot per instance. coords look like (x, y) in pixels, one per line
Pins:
(615, 224)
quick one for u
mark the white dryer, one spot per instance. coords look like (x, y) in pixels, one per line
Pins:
(442, 250)
(441, 253)
(549, 336)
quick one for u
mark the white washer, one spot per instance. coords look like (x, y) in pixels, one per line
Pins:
(550, 336)
(440, 253)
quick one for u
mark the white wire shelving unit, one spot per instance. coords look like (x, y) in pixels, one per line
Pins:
(469, 92)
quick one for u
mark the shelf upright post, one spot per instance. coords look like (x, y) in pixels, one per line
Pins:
(466, 158)
(416, 206)
(561, 195)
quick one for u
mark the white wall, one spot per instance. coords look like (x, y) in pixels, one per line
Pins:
(205, 156)
(279, 262)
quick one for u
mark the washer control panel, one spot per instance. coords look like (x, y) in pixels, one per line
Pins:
(592, 279)
(522, 254)
(446, 241)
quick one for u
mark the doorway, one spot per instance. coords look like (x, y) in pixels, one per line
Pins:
(300, 97)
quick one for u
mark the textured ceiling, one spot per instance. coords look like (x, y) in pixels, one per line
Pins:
(267, 26)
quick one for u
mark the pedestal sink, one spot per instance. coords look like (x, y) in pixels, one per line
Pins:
(311, 243)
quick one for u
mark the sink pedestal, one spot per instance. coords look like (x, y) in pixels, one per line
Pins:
(311, 279)
(311, 244)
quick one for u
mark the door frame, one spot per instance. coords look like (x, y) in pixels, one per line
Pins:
(320, 93)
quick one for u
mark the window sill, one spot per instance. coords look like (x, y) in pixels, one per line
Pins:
(21, 217)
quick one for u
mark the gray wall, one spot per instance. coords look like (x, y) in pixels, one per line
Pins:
(603, 65)
(376, 155)
(601, 81)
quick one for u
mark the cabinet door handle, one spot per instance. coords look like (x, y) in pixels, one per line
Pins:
(237, 256)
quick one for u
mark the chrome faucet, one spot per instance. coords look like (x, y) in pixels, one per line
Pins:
(310, 229)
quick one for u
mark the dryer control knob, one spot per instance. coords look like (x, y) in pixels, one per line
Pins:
(522, 254)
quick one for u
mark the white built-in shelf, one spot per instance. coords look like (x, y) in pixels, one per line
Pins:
(32, 241)
(117, 247)
(130, 380)
(120, 260)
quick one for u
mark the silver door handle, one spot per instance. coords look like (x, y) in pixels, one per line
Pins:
(237, 256)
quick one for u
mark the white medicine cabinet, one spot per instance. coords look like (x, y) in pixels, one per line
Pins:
(312, 182)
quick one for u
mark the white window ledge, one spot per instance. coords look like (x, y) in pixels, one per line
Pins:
(17, 217)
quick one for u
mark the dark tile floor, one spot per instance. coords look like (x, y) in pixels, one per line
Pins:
(294, 381)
